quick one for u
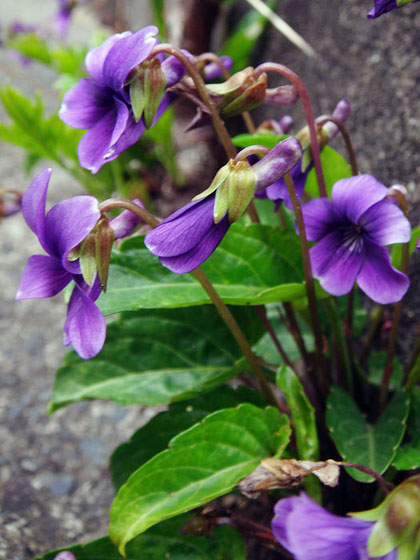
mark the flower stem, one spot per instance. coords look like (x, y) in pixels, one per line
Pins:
(293, 327)
(143, 214)
(218, 123)
(347, 140)
(303, 93)
(380, 479)
(405, 253)
(334, 317)
(239, 336)
(264, 319)
(310, 288)
(413, 370)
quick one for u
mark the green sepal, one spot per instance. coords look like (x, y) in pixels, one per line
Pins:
(221, 203)
(154, 87)
(219, 178)
(403, 2)
(88, 258)
(231, 85)
(137, 97)
(252, 97)
(104, 240)
(242, 183)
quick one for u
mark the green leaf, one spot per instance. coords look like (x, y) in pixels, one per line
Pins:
(376, 365)
(396, 251)
(408, 455)
(265, 346)
(168, 356)
(359, 442)
(165, 540)
(154, 437)
(254, 265)
(267, 139)
(334, 166)
(244, 37)
(203, 463)
(303, 413)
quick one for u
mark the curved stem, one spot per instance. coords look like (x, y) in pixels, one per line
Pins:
(251, 151)
(380, 479)
(347, 140)
(299, 85)
(309, 281)
(264, 319)
(218, 124)
(239, 336)
(143, 214)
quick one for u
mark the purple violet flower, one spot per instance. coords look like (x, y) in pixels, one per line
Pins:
(352, 230)
(309, 532)
(277, 192)
(185, 239)
(59, 231)
(63, 14)
(102, 103)
(384, 6)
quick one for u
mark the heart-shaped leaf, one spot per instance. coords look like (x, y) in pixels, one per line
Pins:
(373, 446)
(202, 463)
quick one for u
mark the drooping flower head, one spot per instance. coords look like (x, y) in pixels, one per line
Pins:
(190, 235)
(384, 6)
(352, 231)
(102, 102)
(60, 231)
(277, 192)
(309, 532)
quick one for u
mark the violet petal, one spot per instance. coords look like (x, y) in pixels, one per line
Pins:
(85, 104)
(385, 223)
(124, 224)
(120, 123)
(95, 144)
(378, 279)
(95, 58)
(277, 162)
(85, 327)
(319, 218)
(175, 237)
(336, 265)
(127, 53)
(352, 197)
(43, 277)
(68, 223)
(189, 260)
(33, 204)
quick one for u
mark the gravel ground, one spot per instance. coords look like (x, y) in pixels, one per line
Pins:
(55, 488)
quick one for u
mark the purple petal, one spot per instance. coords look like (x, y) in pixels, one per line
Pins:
(314, 533)
(319, 218)
(282, 510)
(120, 123)
(195, 257)
(127, 53)
(213, 71)
(278, 191)
(342, 113)
(385, 223)
(173, 68)
(68, 223)
(95, 144)
(277, 162)
(43, 277)
(33, 204)
(130, 135)
(124, 224)
(336, 263)
(384, 6)
(85, 327)
(378, 279)
(95, 58)
(352, 197)
(178, 234)
(85, 104)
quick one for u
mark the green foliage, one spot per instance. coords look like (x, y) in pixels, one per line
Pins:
(168, 356)
(334, 166)
(303, 413)
(202, 463)
(164, 540)
(63, 59)
(408, 455)
(244, 37)
(267, 139)
(358, 441)
(154, 437)
(376, 365)
(254, 264)
(396, 251)
(158, 8)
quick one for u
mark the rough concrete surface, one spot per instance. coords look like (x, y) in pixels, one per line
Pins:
(55, 488)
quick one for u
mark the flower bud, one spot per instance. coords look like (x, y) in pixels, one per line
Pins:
(87, 257)
(104, 240)
(10, 206)
(397, 521)
(154, 87)
(282, 95)
(277, 162)
(125, 222)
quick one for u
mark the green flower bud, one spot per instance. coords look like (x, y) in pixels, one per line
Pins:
(104, 240)
(154, 87)
(87, 257)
